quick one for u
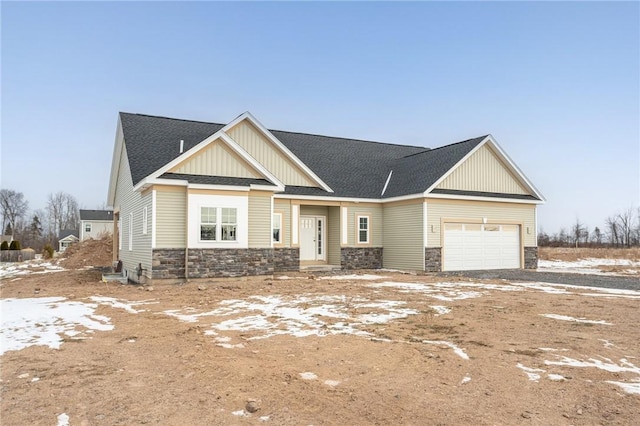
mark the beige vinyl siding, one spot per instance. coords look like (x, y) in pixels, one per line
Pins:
(170, 217)
(314, 211)
(374, 211)
(216, 160)
(403, 236)
(259, 219)
(127, 201)
(475, 211)
(267, 154)
(483, 171)
(333, 236)
(284, 207)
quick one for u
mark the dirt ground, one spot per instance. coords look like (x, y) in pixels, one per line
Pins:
(154, 368)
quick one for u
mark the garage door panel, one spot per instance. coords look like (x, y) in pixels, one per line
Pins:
(476, 246)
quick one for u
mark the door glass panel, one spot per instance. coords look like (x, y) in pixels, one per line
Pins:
(319, 240)
(491, 228)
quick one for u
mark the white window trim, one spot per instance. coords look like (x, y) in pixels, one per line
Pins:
(218, 225)
(130, 231)
(88, 224)
(145, 221)
(358, 217)
(277, 221)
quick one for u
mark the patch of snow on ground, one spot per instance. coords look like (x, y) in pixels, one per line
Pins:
(584, 266)
(308, 375)
(41, 321)
(568, 318)
(608, 365)
(366, 277)
(532, 373)
(458, 351)
(441, 310)
(63, 419)
(556, 377)
(299, 316)
(115, 303)
(240, 413)
(632, 388)
(465, 379)
(607, 344)
(332, 383)
(9, 270)
(446, 292)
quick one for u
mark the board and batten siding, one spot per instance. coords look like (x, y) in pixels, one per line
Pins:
(333, 236)
(260, 235)
(403, 236)
(476, 211)
(374, 211)
(130, 205)
(216, 160)
(170, 217)
(483, 171)
(284, 207)
(267, 154)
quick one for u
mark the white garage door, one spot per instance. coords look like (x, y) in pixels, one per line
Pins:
(472, 246)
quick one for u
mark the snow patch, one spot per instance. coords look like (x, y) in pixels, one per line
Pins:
(556, 377)
(115, 303)
(461, 353)
(532, 373)
(41, 321)
(240, 413)
(568, 318)
(465, 379)
(63, 419)
(632, 388)
(332, 383)
(441, 310)
(608, 365)
(308, 376)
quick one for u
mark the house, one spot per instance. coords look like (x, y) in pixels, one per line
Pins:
(95, 223)
(239, 199)
(66, 238)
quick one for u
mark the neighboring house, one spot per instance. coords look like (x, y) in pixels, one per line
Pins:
(95, 223)
(238, 199)
(66, 238)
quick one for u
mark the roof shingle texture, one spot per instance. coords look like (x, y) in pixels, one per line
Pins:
(351, 168)
(96, 215)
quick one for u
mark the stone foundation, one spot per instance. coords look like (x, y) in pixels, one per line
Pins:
(211, 263)
(167, 263)
(531, 258)
(286, 259)
(361, 257)
(433, 259)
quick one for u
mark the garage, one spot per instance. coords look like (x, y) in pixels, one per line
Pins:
(474, 246)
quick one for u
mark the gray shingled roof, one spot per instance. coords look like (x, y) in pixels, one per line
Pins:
(352, 168)
(215, 180)
(67, 232)
(96, 215)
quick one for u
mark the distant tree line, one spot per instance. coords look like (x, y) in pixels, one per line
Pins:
(620, 230)
(35, 229)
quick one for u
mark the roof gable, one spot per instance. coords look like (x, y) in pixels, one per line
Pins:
(483, 171)
(216, 160)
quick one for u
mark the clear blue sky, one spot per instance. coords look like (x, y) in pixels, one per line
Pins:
(557, 84)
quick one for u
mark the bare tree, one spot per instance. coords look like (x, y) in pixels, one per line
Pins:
(63, 212)
(13, 207)
(578, 232)
(597, 236)
(626, 221)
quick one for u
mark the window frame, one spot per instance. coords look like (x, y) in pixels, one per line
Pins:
(276, 218)
(131, 231)
(87, 225)
(359, 230)
(218, 224)
(145, 221)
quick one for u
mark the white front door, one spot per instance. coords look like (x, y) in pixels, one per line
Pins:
(312, 238)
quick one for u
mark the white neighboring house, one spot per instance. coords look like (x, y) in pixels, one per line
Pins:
(95, 223)
(66, 238)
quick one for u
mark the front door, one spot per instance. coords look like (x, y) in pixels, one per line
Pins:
(312, 238)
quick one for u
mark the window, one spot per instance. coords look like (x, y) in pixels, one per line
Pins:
(119, 234)
(218, 224)
(208, 223)
(277, 227)
(144, 220)
(130, 231)
(363, 229)
(87, 227)
(229, 224)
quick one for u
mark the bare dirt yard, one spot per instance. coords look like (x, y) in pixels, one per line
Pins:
(369, 349)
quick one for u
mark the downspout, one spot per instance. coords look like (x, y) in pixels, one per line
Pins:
(186, 235)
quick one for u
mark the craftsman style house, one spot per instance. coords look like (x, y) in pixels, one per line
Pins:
(194, 199)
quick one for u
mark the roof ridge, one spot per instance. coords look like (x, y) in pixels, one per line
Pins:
(349, 139)
(447, 146)
(172, 118)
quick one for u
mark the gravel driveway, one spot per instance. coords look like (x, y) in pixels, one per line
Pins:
(588, 280)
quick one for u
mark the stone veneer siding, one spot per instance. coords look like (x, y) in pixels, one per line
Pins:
(286, 259)
(211, 263)
(361, 257)
(167, 263)
(531, 258)
(433, 259)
